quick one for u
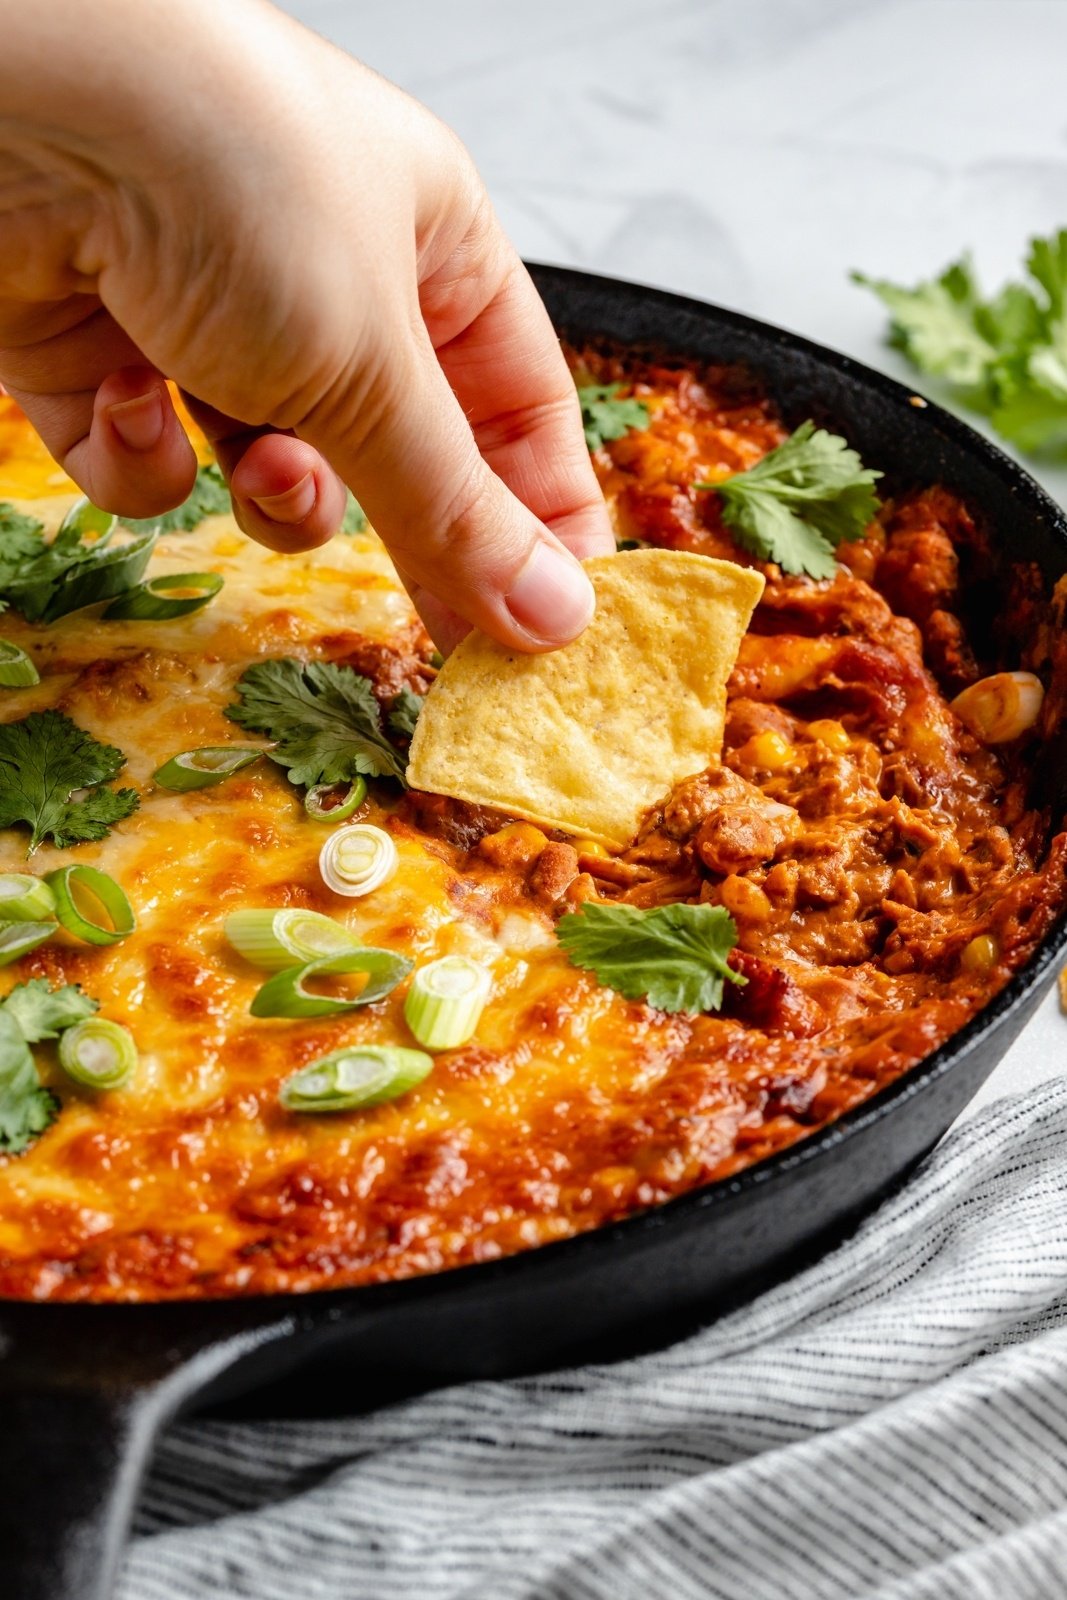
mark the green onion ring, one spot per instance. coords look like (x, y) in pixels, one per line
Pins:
(17, 671)
(284, 995)
(152, 601)
(110, 572)
(445, 1001)
(24, 898)
(276, 939)
(357, 859)
(83, 517)
(102, 887)
(203, 768)
(97, 1053)
(16, 938)
(355, 1078)
(335, 802)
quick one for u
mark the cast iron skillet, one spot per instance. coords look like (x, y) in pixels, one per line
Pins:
(85, 1389)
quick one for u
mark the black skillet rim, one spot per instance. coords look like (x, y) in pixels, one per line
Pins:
(913, 1082)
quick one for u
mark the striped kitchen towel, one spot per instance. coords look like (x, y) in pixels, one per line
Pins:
(891, 1425)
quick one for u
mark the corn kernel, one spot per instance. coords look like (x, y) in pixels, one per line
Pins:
(980, 956)
(1001, 707)
(517, 845)
(769, 750)
(780, 884)
(590, 847)
(830, 733)
(744, 900)
(581, 889)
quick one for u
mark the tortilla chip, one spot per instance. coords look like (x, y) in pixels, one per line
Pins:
(587, 738)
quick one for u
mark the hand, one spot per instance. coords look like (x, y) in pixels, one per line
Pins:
(217, 196)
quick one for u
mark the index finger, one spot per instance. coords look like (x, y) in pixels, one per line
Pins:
(508, 373)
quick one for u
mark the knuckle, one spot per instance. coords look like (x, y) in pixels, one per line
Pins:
(544, 418)
(467, 535)
(347, 409)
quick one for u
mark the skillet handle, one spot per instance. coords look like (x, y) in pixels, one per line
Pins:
(71, 1463)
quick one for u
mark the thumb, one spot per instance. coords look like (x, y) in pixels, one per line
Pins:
(450, 524)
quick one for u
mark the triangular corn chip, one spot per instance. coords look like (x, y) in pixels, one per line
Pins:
(587, 738)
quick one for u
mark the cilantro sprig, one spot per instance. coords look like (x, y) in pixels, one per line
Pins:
(324, 720)
(672, 956)
(43, 1013)
(21, 540)
(45, 761)
(606, 416)
(29, 1013)
(26, 1107)
(1004, 357)
(800, 501)
(404, 712)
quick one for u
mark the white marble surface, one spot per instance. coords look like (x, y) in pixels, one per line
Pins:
(750, 152)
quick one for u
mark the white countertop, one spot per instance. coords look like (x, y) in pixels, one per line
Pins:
(751, 152)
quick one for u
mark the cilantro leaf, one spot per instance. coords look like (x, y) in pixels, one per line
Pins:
(404, 712)
(672, 956)
(209, 497)
(26, 1108)
(355, 518)
(15, 525)
(802, 499)
(21, 540)
(1013, 319)
(605, 416)
(1030, 416)
(29, 1013)
(43, 1013)
(1005, 357)
(936, 325)
(45, 759)
(324, 719)
(1047, 262)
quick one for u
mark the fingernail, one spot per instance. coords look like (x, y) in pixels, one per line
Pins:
(139, 423)
(291, 506)
(551, 598)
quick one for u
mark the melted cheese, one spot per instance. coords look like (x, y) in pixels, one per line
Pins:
(572, 1107)
(140, 1192)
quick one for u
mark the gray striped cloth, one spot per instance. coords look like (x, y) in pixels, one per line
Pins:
(891, 1425)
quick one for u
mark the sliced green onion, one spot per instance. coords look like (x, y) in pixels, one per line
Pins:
(106, 574)
(203, 768)
(357, 859)
(277, 939)
(16, 668)
(101, 891)
(445, 1001)
(284, 995)
(83, 517)
(335, 802)
(153, 600)
(355, 1078)
(98, 1053)
(24, 898)
(16, 938)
